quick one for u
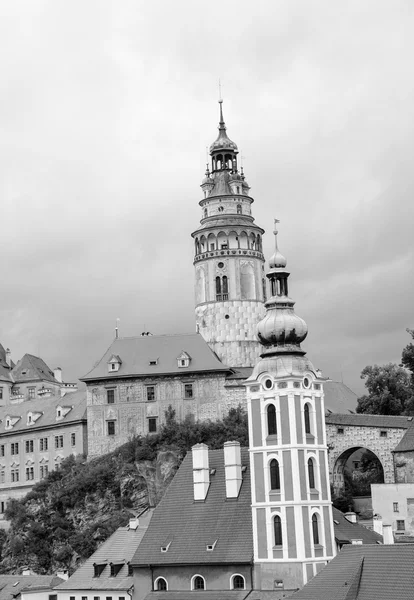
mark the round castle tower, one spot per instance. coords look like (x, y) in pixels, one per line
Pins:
(230, 287)
(291, 501)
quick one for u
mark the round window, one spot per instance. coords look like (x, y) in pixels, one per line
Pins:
(268, 384)
(306, 383)
(220, 265)
(227, 316)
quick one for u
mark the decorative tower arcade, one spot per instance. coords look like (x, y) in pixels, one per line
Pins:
(229, 264)
(291, 502)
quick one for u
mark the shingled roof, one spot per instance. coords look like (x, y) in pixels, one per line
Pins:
(339, 398)
(5, 370)
(191, 526)
(367, 572)
(407, 442)
(345, 531)
(12, 585)
(47, 407)
(137, 353)
(363, 420)
(32, 368)
(117, 549)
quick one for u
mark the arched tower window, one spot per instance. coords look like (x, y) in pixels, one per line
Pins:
(277, 528)
(271, 420)
(161, 584)
(311, 474)
(199, 583)
(307, 419)
(225, 288)
(218, 288)
(315, 529)
(239, 208)
(237, 582)
(274, 475)
(205, 213)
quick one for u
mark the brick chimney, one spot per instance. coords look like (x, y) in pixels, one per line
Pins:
(201, 474)
(233, 469)
(377, 524)
(8, 357)
(58, 374)
(387, 534)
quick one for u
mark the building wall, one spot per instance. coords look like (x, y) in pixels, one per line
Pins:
(404, 467)
(88, 594)
(178, 578)
(35, 459)
(395, 502)
(131, 411)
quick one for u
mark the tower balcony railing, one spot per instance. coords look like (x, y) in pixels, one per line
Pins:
(221, 297)
(228, 252)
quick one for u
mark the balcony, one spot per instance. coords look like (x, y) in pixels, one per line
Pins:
(228, 252)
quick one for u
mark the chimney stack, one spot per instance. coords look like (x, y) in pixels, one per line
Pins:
(351, 517)
(8, 357)
(233, 469)
(377, 524)
(201, 474)
(387, 534)
(58, 374)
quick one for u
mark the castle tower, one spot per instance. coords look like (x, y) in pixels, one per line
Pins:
(229, 264)
(291, 502)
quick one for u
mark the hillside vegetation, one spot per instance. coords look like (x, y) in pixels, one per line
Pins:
(66, 516)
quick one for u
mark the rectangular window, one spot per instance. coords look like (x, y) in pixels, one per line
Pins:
(2, 506)
(340, 430)
(2, 450)
(1, 393)
(383, 433)
(14, 448)
(71, 597)
(395, 506)
(150, 393)
(98, 569)
(96, 598)
(130, 570)
(110, 396)
(15, 475)
(44, 470)
(52, 596)
(73, 439)
(84, 597)
(43, 444)
(32, 393)
(188, 390)
(2, 477)
(400, 525)
(152, 425)
(58, 441)
(29, 445)
(111, 427)
(29, 473)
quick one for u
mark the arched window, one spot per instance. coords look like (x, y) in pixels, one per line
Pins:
(218, 288)
(161, 584)
(315, 529)
(199, 583)
(274, 475)
(271, 420)
(307, 419)
(239, 206)
(205, 213)
(225, 287)
(237, 582)
(311, 474)
(277, 526)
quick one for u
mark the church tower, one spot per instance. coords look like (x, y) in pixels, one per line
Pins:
(291, 502)
(229, 264)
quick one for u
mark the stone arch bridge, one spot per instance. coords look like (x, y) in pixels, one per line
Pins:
(381, 434)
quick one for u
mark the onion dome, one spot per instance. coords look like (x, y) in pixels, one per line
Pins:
(281, 331)
(223, 142)
(207, 178)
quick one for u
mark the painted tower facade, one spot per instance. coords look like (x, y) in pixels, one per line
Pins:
(291, 502)
(229, 265)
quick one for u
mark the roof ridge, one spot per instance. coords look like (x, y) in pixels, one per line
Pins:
(135, 337)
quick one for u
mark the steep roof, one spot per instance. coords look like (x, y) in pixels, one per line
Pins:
(12, 585)
(199, 595)
(191, 526)
(5, 371)
(47, 406)
(32, 368)
(345, 531)
(137, 352)
(119, 548)
(363, 420)
(339, 398)
(365, 573)
(407, 442)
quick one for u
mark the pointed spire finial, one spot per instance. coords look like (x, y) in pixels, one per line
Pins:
(275, 231)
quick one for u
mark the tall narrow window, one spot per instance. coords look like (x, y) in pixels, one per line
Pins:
(239, 207)
(274, 475)
(225, 288)
(161, 584)
(307, 419)
(218, 288)
(277, 526)
(311, 474)
(198, 583)
(271, 420)
(315, 529)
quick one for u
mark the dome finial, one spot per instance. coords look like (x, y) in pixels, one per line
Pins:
(277, 261)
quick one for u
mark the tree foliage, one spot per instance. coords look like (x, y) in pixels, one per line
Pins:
(66, 516)
(390, 387)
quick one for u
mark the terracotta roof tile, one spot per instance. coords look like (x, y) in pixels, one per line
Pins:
(192, 525)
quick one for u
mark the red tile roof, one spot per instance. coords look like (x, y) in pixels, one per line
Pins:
(377, 572)
(345, 531)
(363, 420)
(191, 526)
(12, 585)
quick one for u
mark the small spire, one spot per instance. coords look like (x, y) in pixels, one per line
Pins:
(277, 261)
(222, 124)
(275, 231)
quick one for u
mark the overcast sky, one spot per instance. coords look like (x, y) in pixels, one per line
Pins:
(106, 109)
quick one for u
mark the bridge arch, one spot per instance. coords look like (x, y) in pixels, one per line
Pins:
(340, 465)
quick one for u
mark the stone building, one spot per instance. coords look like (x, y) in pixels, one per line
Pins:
(42, 421)
(230, 286)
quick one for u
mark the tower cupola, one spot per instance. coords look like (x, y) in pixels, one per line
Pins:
(223, 151)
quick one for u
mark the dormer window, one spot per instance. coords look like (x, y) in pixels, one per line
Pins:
(115, 568)
(98, 569)
(183, 360)
(153, 362)
(114, 363)
(210, 547)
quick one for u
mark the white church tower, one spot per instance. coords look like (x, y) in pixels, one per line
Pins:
(291, 501)
(229, 264)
